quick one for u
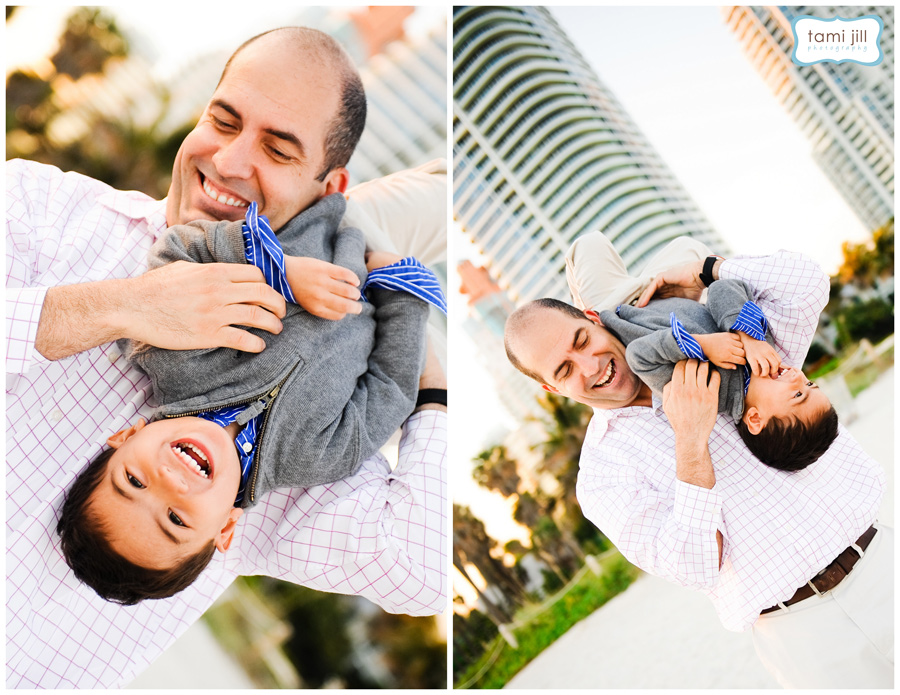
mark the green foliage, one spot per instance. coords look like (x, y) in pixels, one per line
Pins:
(873, 320)
(471, 635)
(582, 599)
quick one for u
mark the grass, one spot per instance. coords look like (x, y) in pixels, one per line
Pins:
(544, 628)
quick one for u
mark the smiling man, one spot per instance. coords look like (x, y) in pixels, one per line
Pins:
(279, 129)
(797, 557)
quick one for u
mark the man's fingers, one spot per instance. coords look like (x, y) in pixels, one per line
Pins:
(714, 380)
(252, 316)
(648, 293)
(237, 339)
(678, 372)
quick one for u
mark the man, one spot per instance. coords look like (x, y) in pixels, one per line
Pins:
(282, 124)
(672, 485)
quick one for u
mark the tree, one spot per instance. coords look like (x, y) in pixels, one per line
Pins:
(472, 545)
(497, 471)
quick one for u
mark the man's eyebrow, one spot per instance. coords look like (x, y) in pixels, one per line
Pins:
(280, 134)
(577, 338)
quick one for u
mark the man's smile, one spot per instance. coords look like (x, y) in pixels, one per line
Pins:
(608, 376)
(220, 195)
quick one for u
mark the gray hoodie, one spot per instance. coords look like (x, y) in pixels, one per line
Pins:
(343, 387)
(652, 351)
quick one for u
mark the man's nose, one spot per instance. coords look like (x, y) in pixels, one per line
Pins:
(586, 363)
(234, 158)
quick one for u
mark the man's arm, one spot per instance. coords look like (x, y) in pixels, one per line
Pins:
(379, 534)
(667, 527)
(178, 307)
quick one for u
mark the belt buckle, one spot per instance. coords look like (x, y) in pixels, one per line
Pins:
(860, 551)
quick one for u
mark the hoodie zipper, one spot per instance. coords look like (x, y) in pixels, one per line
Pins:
(266, 400)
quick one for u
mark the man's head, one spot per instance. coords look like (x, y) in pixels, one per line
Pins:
(788, 423)
(286, 115)
(145, 518)
(571, 353)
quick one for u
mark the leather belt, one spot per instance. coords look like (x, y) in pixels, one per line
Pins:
(831, 576)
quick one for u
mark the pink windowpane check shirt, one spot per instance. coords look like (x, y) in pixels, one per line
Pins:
(779, 529)
(380, 534)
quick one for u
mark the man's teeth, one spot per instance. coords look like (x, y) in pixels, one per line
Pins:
(179, 450)
(607, 376)
(221, 197)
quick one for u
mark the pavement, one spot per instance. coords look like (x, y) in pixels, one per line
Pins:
(659, 635)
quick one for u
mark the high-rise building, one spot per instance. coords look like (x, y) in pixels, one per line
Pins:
(543, 153)
(845, 109)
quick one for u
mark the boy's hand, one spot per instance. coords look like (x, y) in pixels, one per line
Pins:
(761, 357)
(724, 350)
(324, 289)
(379, 259)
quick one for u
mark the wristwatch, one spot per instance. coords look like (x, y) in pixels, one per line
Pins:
(438, 396)
(706, 276)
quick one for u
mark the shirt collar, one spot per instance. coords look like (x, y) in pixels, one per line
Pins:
(137, 206)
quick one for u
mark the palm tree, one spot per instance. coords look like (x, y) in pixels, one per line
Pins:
(495, 470)
(472, 545)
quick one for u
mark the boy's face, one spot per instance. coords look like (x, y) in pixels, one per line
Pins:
(161, 501)
(785, 394)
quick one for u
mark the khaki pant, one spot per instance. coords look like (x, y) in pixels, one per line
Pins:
(842, 639)
(597, 276)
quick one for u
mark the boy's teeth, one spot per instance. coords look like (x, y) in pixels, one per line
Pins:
(179, 450)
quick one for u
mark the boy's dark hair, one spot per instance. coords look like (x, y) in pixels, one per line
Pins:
(790, 444)
(95, 563)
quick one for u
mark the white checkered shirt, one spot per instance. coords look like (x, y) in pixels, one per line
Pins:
(779, 528)
(379, 534)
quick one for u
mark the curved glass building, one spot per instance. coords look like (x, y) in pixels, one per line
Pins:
(543, 152)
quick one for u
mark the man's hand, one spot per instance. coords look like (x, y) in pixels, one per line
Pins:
(724, 350)
(324, 289)
(691, 405)
(180, 306)
(680, 281)
(761, 357)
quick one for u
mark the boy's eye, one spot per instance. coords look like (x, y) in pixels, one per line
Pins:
(134, 481)
(798, 394)
(173, 517)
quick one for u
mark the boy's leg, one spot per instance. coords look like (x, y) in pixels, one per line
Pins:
(598, 278)
(404, 213)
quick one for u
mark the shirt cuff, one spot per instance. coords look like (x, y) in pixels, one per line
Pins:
(697, 507)
(751, 321)
(686, 342)
(23, 314)
(263, 250)
(409, 275)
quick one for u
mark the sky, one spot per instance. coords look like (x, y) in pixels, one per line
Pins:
(684, 79)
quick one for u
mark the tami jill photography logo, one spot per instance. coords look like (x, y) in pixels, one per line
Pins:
(837, 40)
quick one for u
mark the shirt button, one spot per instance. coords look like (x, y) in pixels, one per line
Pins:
(113, 356)
(56, 415)
(247, 447)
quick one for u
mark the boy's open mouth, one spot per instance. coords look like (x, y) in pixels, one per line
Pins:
(193, 457)
(781, 370)
(608, 376)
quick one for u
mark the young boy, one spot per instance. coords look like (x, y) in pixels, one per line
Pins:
(783, 418)
(147, 515)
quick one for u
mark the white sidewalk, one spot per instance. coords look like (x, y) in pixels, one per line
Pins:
(659, 635)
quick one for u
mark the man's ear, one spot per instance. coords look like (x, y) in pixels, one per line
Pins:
(549, 388)
(593, 316)
(754, 421)
(120, 437)
(336, 181)
(226, 535)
